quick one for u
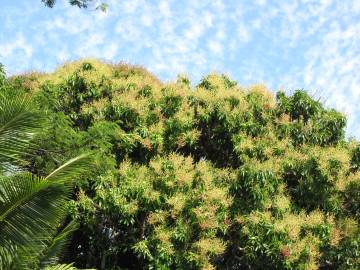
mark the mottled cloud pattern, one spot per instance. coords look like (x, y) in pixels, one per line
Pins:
(310, 44)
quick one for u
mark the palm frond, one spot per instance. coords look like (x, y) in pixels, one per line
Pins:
(71, 169)
(7, 256)
(56, 246)
(18, 124)
(61, 267)
(31, 208)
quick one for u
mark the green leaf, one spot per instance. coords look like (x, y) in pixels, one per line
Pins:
(18, 124)
(56, 246)
(103, 7)
(61, 267)
(31, 208)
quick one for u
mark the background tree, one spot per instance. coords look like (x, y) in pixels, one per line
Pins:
(211, 176)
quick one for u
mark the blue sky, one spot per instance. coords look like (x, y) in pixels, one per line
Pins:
(286, 44)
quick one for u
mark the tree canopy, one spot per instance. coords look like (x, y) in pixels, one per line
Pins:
(216, 176)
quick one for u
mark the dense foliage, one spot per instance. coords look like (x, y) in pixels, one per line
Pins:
(212, 176)
(33, 229)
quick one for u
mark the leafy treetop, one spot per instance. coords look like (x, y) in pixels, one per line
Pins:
(212, 176)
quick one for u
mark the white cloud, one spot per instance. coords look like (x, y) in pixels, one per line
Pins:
(128, 31)
(243, 33)
(294, 44)
(63, 55)
(195, 31)
(147, 19)
(164, 9)
(333, 61)
(220, 34)
(208, 19)
(110, 51)
(127, 6)
(260, 2)
(19, 43)
(215, 47)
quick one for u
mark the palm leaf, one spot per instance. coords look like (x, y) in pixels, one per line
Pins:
(52, 253)
(7, 256)
(18, 124)
(31, 208)
(71, 169)
(61, 267)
